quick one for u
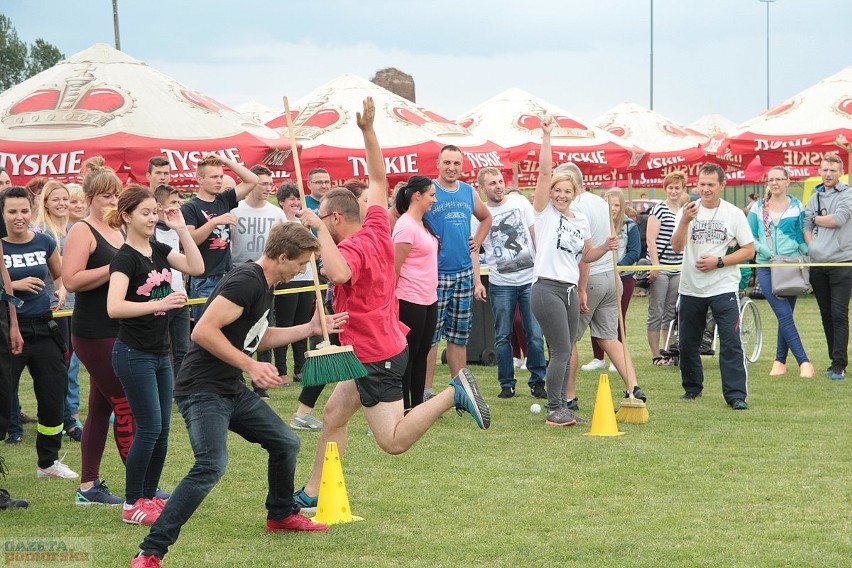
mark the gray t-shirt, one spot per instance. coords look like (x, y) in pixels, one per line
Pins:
(248, 236)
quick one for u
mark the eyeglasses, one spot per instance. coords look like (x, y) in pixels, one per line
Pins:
(776, 180)
(322, 217)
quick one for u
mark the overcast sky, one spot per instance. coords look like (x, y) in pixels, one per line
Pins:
(585, 56)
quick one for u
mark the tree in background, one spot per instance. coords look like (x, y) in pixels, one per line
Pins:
(19, 62)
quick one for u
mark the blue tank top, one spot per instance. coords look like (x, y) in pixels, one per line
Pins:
(450, 218)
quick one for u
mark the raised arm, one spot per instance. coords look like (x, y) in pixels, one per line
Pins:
(248, 180)
(545, 167)
(377, 191)
(334, 266)
(190, 261)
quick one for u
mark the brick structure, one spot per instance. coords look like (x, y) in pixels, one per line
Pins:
(396, 82)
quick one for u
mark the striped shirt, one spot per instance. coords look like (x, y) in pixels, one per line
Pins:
(664, 238)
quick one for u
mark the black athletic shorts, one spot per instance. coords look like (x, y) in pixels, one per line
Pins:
(383, 382)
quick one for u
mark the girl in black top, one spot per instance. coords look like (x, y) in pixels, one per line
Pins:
(140, 297)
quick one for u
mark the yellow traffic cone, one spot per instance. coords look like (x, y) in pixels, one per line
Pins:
(333, 501)
(603, 418)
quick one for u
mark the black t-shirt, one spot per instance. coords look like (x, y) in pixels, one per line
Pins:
(150, 279)
(216, 250)
(201, 371)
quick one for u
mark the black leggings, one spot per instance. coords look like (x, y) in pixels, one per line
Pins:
(290, 310)
(421, 321)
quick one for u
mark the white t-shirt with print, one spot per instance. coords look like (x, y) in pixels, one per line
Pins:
(509, 247)
(560, 241)
(596, 210)
(712, 233)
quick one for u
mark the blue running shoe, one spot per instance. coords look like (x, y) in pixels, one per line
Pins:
(468, 399)
(836, 374)
(307, 503)
(99, 494)
(164, 495)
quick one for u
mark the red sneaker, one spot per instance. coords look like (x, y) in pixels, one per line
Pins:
(143, 512)
(145, 561)
(295, 522)
(159, 503)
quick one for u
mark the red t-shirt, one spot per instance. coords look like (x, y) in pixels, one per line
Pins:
(373, 330)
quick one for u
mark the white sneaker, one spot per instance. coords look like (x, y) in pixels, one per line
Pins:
(594, 365)
(612, 368)
(517, 362)
(523, 366)
(57, 470)
(305, 422)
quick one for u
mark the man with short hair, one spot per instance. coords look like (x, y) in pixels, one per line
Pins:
(255, 216)
(509, 253)
(704, 231)
(5, 180)
(828, 233)
(319, 182)
(208, 217)
(358, 257)
(159, 172)
(458, 259)
(213, 399)
(600, 298)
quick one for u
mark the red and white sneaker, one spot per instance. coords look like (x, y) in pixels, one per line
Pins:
(145, 561)
(142, 512)
(295, 522)
(159, 503)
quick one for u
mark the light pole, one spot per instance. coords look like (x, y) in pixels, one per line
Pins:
(115, 24)
(651, 106)
(767, 2)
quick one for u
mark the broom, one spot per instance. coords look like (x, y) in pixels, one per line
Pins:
(327, 363)
(631, 410)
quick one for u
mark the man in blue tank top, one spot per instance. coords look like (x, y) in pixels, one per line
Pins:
(458, 259)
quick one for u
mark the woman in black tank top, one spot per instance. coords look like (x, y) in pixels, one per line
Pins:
(89, 248)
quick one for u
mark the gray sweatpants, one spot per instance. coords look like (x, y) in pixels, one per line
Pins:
(556, 306)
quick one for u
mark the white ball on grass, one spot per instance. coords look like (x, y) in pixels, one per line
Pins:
(535, 408)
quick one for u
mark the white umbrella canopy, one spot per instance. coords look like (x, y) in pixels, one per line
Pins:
(256, 111)
(712, 124)
(512, 119)
(802, 129)
(101, 101)
(410, 135)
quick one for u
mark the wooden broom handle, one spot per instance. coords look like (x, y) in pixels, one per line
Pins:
(295, 151)
(623, 334)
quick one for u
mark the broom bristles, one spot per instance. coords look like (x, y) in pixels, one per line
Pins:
(331, 364)
(632, 411)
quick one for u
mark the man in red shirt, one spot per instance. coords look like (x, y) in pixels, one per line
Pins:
(358, 258)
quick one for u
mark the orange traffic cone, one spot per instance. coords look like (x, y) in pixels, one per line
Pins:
(333, 501)
(603, 418)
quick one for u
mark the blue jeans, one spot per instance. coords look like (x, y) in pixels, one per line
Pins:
(147, 381)
(179, 336)
(202, 287)
(208, 418)
(503, 300)
(72, 398)
(732, 363)
(782, 307)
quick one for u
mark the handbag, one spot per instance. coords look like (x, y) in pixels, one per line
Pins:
(790, 280)
(786, 280)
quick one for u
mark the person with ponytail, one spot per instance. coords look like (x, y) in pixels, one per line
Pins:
(416, 263)
(32, 258)
(140, 297)
(90, 246)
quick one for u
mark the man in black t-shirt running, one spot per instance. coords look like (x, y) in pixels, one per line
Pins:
(212, 396)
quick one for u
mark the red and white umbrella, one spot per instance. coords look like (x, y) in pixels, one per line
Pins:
(102, 102)
(513, 118)
(801, 130)
(410, 135)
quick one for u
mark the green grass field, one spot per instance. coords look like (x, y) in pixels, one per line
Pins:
(699, 485)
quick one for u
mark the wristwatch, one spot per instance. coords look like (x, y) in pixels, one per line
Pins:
(720, 263)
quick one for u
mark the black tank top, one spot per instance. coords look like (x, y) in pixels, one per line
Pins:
(90, 317)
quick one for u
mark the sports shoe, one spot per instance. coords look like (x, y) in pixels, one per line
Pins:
(98, 494)
(561, 417)
(58, 470)
(506, 392)
(707, 349)
(159, 503)
(142, 512)
(594, 365)
(305, 422)
(538, 390)
(468, 399)
(690, 395)
(295, 522)
(612, 368)
(516, 362)
(837, 375)
(27, 419)
(573, 404)
(297, 377)
(305, 502)
(6, 501)
(738, 404)
(262, 393)
(637, 393)
(162, 495)
(13, 439)
(74, 431)
(145, 561)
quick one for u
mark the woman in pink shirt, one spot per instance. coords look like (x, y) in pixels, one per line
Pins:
(416, 253)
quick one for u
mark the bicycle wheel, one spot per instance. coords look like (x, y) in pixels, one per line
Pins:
(751, 332)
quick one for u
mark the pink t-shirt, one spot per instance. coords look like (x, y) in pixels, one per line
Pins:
(418, 275)
(373, 330)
